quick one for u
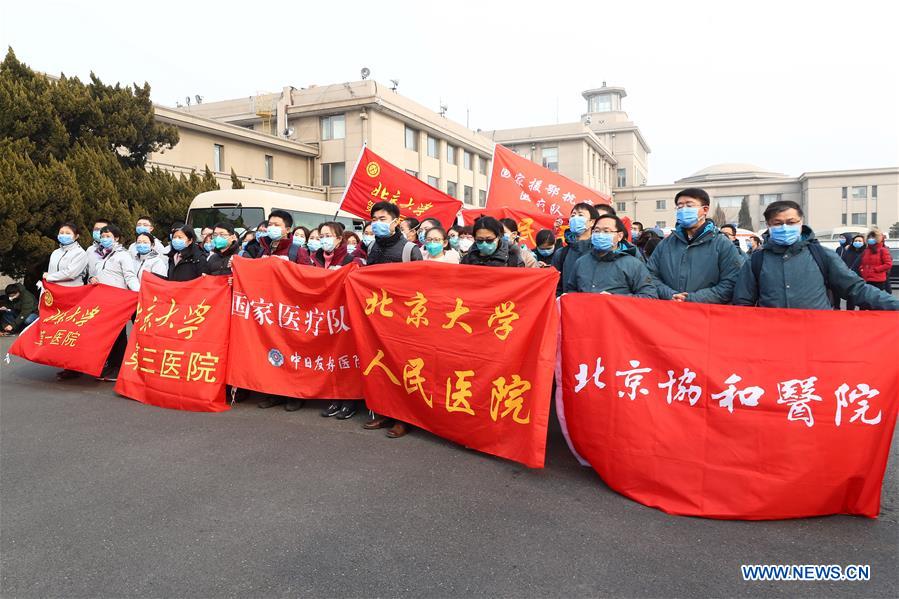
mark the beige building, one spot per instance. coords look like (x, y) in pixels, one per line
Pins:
(830, 199)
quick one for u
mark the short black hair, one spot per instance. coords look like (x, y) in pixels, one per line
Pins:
(224, 225)
(509, 224)
(188, 231)
(619, 224)
(149, 236)
(637, 223)
(729, 226)
(696, 193)
(105, 221)
(388, 207)
(594, 213)
(433, 221)
(757, 239)
(145, 218)
(283, 215)
(489, 223)
(413, 222)
(110, 228)
(12, 288)
(176, 225)
(607, 208)
(301, 228)
(775, 208)
(545, 236)
(72, 226)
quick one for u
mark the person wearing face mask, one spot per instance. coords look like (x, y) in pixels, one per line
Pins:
(490, 248)
(636, 230)
(510, 234)
(186, 260)
(253, 248)
(390, 246)
(277, 240)
(68, 261)
(730, 231)
(148, 259)
(845, 242)
(425, 226)
(465, 242)
(299, 252)
(876, 262)
(368, 237)
(580, 224)
(435, 249)
(696, 263)
(753, 243)
(92, 251)
(546, 247)
(145, 225)
(116, 269)
(313, 243)
(793, 271)
(225, 247)
(852, 258)
(409, 228)
(207, 246)
(612, 266)
(354, 246)
(17, 310)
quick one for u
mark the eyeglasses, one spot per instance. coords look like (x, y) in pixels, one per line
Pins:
(484, 239)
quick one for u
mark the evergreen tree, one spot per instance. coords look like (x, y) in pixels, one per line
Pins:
(744, 219)
(235, 182)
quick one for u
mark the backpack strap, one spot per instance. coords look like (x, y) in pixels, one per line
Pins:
(755, 260)
(293, 252)
(407, 251)
(818, 254)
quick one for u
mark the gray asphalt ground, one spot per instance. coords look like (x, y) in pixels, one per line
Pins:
(104, 497)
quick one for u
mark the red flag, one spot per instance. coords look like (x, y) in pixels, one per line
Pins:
(469, 362)
(529, 221)
(290, 331)
(376, 180)
(731, 412)
(178, 351)
(77, 326)
(515, 181)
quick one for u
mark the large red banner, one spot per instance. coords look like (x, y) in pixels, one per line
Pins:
(517, 182)
(376, 180)
(529, 221)
(290, 331)
(178, 350)
(468, 362)
(730, 412)
(77, 326)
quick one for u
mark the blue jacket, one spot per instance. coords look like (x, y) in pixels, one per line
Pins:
(618, 272)
(564, 260)
(790, 278)
(706, 269)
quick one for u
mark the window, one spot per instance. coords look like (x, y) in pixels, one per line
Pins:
(769, 198)
(622, 177)
(333, 127)
(550, 158)
(620, 206)
(466, 160)
(482, 165)
(845, 191)
(334, 174)
(451, 188)
(411, 172)
(661, 204)
(843, 219)
(433, 147)
(482, 198)
(450, 154)
(433, 181)
(269, 167)
(859, 218)
(661, 224)
(873, 218)
(873, 191)
(411, 139)
(725, 202)
(218, 158)
(859, 193)
(466, 194)
(601, 103)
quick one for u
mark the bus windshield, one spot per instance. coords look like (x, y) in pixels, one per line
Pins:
(239, 217)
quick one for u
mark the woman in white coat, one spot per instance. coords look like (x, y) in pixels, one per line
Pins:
(147, 257)
(68, 261)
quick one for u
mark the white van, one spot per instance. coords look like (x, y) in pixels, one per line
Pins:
(246, 208)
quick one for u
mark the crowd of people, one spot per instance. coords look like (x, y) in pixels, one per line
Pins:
(698, 262)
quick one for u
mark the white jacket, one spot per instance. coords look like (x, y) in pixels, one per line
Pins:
(151, 262)
(157, 247)
(67, 264)
(117, 269)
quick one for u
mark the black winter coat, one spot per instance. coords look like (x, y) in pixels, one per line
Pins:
(192, 264)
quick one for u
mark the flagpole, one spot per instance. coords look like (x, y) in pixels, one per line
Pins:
(346, 189)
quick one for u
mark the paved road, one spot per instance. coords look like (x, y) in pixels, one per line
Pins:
(102, 496)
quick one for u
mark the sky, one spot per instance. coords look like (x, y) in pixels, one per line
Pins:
(791, 86)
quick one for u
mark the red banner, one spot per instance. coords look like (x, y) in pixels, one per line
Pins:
(290, 331)
(529, 221)
(517, 182)
(376, 180)
(471, 363)
(178, 350)
(729, 412)
(77, 326)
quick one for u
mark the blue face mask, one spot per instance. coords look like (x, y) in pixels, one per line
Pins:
(65, 238)
(314, 245)
(858, 245)
(350, 248)
(261, 234)
(142, 248)
(421, 236)
(220, 243)
(96, 235)
(107, 242)
(546, 252)
(208, 246)
(274, 233)
(487, 247)
(454, 242)
(142, 229)
(577, 224)
(368, 239)
(434, 247)
(243, 245)
(178, 244)
(298, 240)
(570, 237)
(328, 243)
(841, 241)
(602, 242)
(380, 229)
(785, 234)
(507, 237)
(871, 241)
(687, 216)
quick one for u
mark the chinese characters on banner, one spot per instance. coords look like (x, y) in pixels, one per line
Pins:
(517, 182)
(77, 326)
(376, 180)
(675, 414)
(530, 222)
(469, 362)
(178, 349)
(290, 331)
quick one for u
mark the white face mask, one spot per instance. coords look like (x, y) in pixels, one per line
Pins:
(465, 244)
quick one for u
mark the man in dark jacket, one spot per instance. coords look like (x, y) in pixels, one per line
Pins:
(390, 244)
(277, 236)
(695, 263)
(490, 247)
(580, 224)
(18, 309)
(794, 271)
